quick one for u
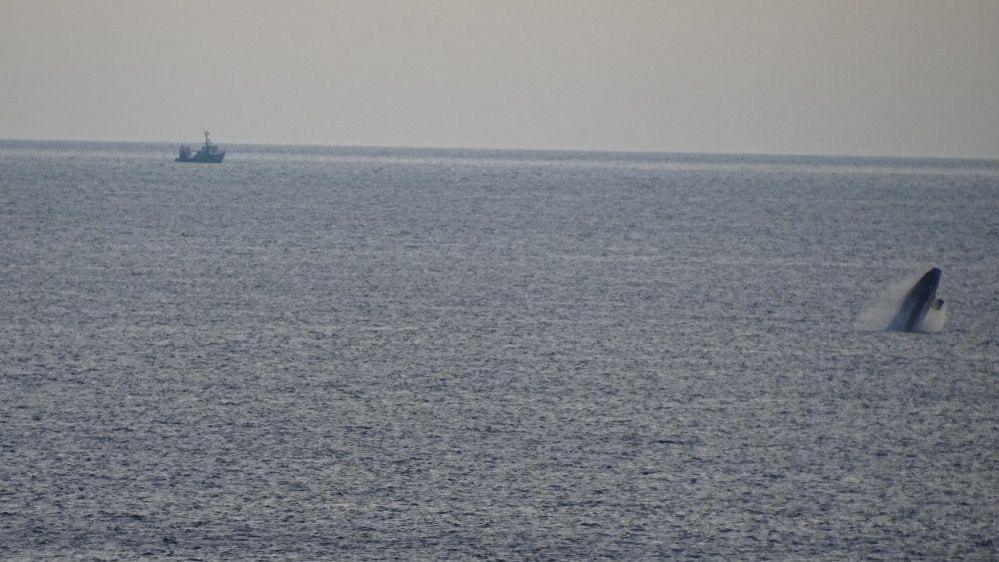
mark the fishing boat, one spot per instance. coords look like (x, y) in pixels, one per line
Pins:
(208, 154)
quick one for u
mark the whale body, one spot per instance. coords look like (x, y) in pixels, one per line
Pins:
(918, 301)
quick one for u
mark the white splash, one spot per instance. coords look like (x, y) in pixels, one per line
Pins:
(934, 320)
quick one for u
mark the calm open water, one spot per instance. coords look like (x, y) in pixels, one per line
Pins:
(424, 354)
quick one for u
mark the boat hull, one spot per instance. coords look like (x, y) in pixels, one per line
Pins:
(211, 159)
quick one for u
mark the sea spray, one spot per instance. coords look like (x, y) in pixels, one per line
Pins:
(934, 320)
(878, 311)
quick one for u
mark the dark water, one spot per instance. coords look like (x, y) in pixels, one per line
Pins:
(415, 354)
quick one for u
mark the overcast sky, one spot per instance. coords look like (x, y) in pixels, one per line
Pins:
(771, 76)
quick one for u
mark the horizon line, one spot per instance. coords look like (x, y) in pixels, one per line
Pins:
(535, 149)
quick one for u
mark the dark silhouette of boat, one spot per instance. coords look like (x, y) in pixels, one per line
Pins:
(208, 154)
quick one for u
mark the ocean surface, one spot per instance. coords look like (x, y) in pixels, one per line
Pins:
(361, 353)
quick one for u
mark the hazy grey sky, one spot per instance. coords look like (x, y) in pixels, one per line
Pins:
(796, 76)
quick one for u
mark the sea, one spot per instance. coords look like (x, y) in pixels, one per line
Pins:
(338, 353)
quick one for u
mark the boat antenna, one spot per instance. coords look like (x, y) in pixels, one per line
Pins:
(206, 136)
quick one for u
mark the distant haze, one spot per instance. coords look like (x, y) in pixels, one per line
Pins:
(917, 78)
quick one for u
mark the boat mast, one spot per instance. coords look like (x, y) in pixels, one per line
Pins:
(206, 138)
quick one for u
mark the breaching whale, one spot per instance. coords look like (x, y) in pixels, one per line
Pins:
(918, 301)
